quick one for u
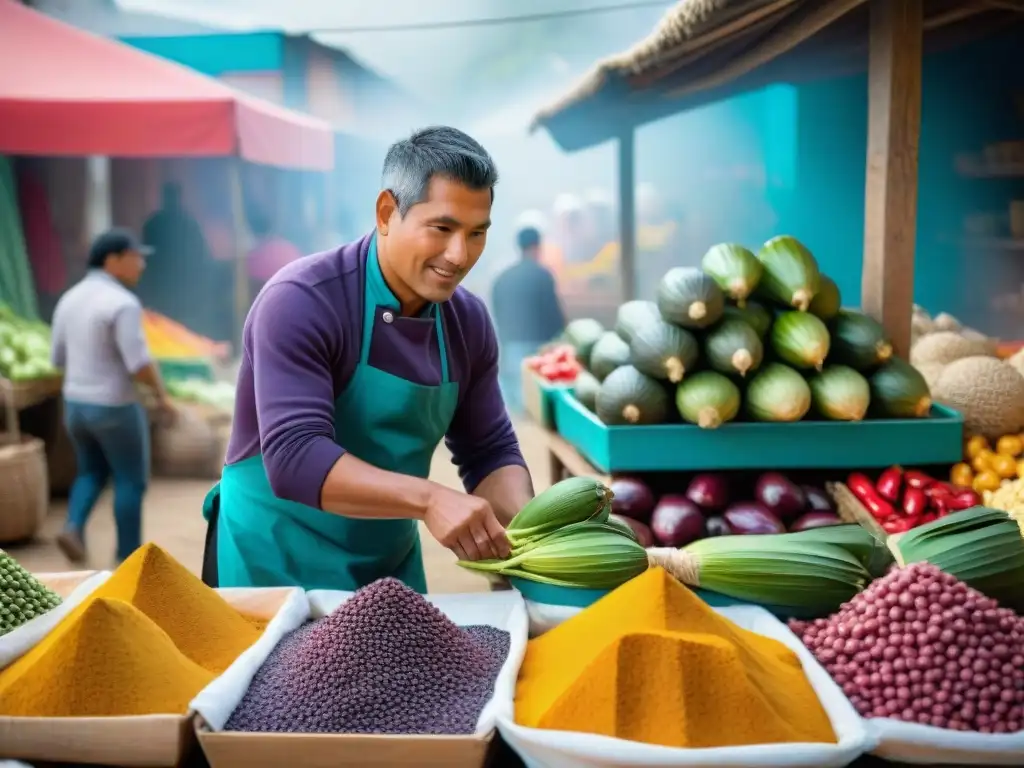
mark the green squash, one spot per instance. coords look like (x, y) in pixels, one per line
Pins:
(582, 335)
(610, 352)
(733, 347)
(827, 301)
(899, 391)
(633, 313)
(778, 393)
(800, 339)
(791, 275)
(859, 341)
(839, 393)
(736, 270)
(753, 314)
(585, 389)
(689, 298)
(708, 399)
(629, 397)
(662, 350)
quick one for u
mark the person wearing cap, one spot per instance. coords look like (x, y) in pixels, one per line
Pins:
(98, 343)
(356, 363)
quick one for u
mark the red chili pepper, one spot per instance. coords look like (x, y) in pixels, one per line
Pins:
(889, 482)
(939, 491)
(896, 526)
(915, 503)
(866, 493)
(963, 499)
(916, 479)
(928, 517)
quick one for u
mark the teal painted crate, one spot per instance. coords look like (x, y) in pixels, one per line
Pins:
(539, 396)
(800, 445)
(186, 368)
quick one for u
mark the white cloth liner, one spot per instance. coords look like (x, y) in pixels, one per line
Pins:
(926, 745)
(218, 700)
(20, 641)
(560, 749)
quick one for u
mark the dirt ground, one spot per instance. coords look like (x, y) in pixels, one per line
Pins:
(173, 519)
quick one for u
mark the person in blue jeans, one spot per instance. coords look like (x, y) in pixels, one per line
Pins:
(98, 343)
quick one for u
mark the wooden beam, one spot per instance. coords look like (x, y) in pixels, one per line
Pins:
(627, 212)
(894, 127)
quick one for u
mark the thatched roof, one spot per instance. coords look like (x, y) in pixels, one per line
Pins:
(705, 50)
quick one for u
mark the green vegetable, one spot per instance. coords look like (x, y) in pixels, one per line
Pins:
(582, 335)
(632, 314)
(568, 502)
(689, 298)
(217, 394)
(800, 339)
(827, 301)
(609, 353)
(733, 347)
(736, 270)
(754, 315)
(708, 399)
(859, 341)
(898, 390)
(778, 393)
(22, 597)
(629, 397)
(840, 393)
(791, 274)
(585, 389)
(24, 348)
(662, 350)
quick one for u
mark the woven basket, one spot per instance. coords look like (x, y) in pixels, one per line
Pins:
(189, 448)
(24, 484)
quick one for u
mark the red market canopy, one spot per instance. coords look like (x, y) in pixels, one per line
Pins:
(64, 91)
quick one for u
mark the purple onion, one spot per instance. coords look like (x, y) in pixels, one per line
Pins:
(677, 521)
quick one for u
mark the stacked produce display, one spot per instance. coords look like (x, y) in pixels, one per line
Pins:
(169, 340)
(747, 337)
(24, 348)
(219, 395)
(901, 500)
(557, 365)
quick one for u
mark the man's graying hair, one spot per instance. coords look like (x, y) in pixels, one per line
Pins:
(436, 151)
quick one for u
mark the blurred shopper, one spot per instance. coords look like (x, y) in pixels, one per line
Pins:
(99, 345)
(527, 313)
(270, 253)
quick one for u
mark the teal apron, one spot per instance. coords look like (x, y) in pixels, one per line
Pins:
(394, 424)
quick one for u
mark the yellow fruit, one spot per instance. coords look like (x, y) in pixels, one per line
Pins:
(1003, 465)
(986, 481)
(974, 446)
(982, 461)
(1020, 468)
(1010, 445)
(961, 474)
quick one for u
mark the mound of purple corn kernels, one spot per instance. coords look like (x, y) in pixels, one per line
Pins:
(386, 661)
(920, 646)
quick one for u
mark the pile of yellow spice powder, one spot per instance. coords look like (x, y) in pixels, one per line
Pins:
(651, 662)
(145, 642)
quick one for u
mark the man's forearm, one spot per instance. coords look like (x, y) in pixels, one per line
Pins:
(507, 489)
(150, 376)
(355, 488)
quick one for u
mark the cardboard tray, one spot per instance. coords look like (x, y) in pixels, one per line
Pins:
(754, 445)
(143, 741)
(225, 749)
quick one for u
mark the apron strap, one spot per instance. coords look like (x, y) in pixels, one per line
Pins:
(211, 573)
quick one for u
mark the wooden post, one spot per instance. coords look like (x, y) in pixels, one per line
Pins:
(241, 270)
(894, 126)
(627, 212)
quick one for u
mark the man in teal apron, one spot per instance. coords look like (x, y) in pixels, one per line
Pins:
(356, 363)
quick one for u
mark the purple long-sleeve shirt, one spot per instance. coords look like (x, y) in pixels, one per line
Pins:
(301, 344)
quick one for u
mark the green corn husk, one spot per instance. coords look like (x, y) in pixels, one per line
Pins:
(588, 556)
(575, 500)
(790, 573)
(980, 546)
(855, 539)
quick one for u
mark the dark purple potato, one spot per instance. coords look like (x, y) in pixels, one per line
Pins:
(677, 521)
(718, 527)
(780, 495)
(815, 520)
(709, 491)
(632, 498)
(642, 530)
(749, 518)
(817, 499)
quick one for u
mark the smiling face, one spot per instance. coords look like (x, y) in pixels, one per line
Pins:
(426, 253)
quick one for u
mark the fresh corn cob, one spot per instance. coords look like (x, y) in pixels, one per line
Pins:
(800, 577)
(588, 555)
(575, 500)
(855, 539)
(980, 546)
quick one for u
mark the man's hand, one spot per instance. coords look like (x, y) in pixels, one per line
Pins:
(167, 411)
(466, 525)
